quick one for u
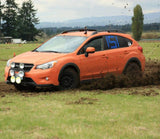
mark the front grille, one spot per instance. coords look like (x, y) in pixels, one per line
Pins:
(27, 67)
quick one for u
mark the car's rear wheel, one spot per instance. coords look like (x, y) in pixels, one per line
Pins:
(69, 79)
(133, 70)
(20, 87)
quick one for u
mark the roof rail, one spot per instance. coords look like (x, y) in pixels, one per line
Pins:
(115, 30)
(74, 30)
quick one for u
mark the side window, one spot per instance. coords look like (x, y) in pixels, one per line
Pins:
(124, 42)
(97, 43)
(113, 42)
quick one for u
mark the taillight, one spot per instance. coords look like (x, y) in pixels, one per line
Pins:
(140, 49)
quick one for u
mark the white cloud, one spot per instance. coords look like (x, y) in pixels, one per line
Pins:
(59, 10)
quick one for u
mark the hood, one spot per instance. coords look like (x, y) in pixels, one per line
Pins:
(36, 58)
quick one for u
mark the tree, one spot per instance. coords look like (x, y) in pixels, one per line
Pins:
(9, 27)
(137, 22)
(27, 21)
(1, 14)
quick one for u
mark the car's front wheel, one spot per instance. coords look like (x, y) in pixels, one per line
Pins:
(69, 79)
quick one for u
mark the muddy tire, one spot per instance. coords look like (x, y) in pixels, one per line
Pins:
(133, 70)
(20, 87)
(69, 79)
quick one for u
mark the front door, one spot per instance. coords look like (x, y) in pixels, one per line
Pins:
(93, 66)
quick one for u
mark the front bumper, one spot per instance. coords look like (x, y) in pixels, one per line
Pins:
(29, 82)
(37, 77)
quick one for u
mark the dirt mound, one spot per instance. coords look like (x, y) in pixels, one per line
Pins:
(151, 76)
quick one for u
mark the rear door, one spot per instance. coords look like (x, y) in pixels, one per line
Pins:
(116, 48)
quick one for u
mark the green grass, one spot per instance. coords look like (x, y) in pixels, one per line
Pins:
(80, 114)
(151, 50)
(7, 50)
(151, 35)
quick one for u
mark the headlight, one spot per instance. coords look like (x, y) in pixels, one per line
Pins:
(8, 63)
(46, 65)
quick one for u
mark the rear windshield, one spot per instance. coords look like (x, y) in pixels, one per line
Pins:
(62, 44)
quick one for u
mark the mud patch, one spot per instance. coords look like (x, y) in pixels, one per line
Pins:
(5, 88)
(150, 92)
(83, 100)
(151, 76)
(5, 109)
(10, 89)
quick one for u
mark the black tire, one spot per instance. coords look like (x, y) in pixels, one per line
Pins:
(20, 87)
(69, 79)
(133, 70)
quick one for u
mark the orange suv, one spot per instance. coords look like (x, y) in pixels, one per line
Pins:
(74, 56)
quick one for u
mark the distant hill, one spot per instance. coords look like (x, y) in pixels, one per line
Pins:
(101, 21)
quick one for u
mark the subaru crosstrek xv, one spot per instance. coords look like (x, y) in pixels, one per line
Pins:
(74, 56)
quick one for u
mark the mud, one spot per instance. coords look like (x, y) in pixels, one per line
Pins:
(151, 76)
(83, 100)
(6, 88)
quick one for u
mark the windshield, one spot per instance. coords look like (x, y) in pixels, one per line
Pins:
(62, 44)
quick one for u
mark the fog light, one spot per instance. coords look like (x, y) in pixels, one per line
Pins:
(12, 72)
(18, 80)
(21, 65)
(13, 79)
(13, 65)
(21, 74)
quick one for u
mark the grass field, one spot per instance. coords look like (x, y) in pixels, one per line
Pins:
(117, 113)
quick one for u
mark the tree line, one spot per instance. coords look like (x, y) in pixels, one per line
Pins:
(126, 28)
(18, 22)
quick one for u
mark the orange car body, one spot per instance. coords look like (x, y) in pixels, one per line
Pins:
(95, 65)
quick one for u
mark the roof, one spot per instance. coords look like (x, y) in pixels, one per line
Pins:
(78, 33)
(89, 32)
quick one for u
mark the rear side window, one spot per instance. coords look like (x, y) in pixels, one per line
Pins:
(113, 42)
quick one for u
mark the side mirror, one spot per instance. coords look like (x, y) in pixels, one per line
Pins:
(89, 50)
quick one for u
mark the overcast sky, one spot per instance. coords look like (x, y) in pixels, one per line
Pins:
(60, 10)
